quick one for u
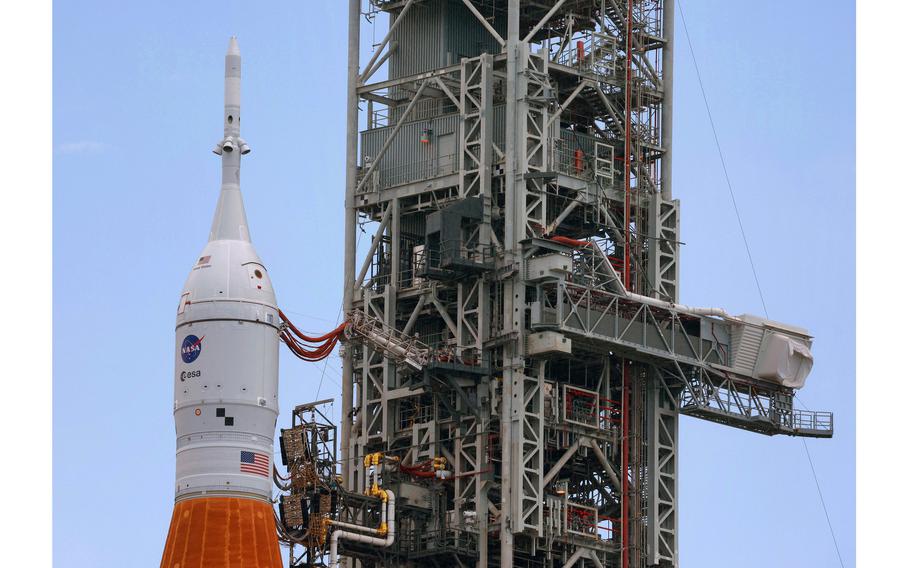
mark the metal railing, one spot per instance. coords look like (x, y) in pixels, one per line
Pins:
(569, 158)
(767, 409)
(589, 52)
(810, 420)
(427, 108)
(571, 161)
(425, 543)
(587, 408)
(448, 254)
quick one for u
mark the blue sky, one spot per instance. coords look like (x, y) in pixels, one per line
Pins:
(137, 108)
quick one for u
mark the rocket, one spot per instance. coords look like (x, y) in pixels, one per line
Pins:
(226, 383)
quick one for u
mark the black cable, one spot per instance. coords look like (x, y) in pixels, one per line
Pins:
(819, 488)
(822, 499)
(749, 253)
(337, 321)
(723, 162)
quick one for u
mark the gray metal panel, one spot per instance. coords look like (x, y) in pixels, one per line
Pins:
(419, 38)
(499, 126)
(408, 159)
(439, 33)
(465, 36)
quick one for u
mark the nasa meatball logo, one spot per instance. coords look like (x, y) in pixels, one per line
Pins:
(191, 348)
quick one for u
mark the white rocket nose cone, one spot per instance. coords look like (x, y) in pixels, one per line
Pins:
(233, 48)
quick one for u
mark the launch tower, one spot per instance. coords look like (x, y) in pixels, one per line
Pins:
(517, 359)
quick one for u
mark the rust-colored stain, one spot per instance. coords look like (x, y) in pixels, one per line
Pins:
(222, 532)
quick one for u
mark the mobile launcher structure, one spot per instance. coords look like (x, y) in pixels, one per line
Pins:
(515, 355)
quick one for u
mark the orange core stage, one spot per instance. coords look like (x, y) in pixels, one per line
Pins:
(222, 532)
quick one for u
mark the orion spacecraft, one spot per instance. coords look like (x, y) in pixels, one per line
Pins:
(226, 382)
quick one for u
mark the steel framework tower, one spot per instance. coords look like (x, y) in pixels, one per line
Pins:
(522, 280)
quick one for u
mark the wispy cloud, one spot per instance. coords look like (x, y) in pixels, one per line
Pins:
(82, 147)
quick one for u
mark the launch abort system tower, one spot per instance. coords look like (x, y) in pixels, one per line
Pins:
(511, 162)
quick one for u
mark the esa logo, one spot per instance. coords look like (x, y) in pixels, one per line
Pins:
(191, 348)
(184, 375)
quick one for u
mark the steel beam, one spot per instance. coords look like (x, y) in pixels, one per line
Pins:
(377, 238)
(369, 70)
(484, 22)
(543, 21)
(350, 228)
(513, 306)
(392, 135)
(563, 460)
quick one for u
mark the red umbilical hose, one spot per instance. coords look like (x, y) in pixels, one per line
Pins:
(307, 338)
(569, 242)
(326, 343)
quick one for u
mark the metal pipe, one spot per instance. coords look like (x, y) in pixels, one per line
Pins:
(350, 223)
(484, 21)
(566, 104)
(627, 168)
(445, 315)
(353, 527)
(392, 47)
(562, 216)
(448, 93)
(543, 21)
(614, 479)
(514, 210)
(481, 487)
(566, 39)
(391, 304)
(609, 106)
(623, 291)
(624, 488)
(368, 70)
(557, 467)
(413, 319)
(358, 537)
(377, 238)
(697, 311)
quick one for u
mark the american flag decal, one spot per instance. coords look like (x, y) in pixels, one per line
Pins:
(251, 462)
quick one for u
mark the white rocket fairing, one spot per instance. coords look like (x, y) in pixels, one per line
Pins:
(225, 382)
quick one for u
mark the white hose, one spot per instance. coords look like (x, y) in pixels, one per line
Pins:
(717, 312)
(388, 512)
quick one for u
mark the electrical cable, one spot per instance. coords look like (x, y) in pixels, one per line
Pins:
(749, 254)
(301, 344)
(818, 487)
(308, 338)
(325, 366)
(337, 319)
(822, 499)
(723, 162)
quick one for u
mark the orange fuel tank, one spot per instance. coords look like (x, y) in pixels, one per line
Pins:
(222, 532)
